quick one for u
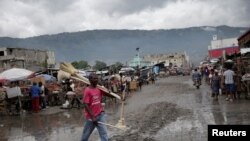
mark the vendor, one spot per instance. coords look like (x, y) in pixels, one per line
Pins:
(35, 91)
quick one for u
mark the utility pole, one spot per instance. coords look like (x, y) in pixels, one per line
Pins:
(138, 56)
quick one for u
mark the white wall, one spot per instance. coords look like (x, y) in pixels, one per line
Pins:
(223, 43)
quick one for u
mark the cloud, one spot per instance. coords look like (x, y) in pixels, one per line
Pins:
(25, 18)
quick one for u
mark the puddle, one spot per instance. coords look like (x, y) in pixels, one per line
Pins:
(181, 129)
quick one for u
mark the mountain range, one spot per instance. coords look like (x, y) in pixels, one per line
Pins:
(120, 45)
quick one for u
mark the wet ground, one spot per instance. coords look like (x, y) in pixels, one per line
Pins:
(172, 109)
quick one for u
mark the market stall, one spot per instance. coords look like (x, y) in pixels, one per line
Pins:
(245, 71)
(246, 83)
(14, 79)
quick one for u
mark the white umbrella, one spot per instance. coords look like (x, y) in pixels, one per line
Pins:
(127, 69)
(229, 61)
(16, 74)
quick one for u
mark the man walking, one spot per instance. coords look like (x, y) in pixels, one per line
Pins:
(42, 95)
(229, 83)
(93, 110)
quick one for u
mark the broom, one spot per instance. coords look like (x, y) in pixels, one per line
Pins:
(121, 121)
(68, 71)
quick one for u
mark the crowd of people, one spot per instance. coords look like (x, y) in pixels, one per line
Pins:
(222, 81)
(38, 96)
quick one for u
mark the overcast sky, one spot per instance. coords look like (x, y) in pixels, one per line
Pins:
(25, 18)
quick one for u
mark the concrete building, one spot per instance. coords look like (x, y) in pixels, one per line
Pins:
(221, 47)
(176, 59)
(222, 43)
(30, 59)
(244, 40)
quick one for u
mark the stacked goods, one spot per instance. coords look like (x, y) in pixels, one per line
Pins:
(53, 87)
(133, 85)
(246, 77)
(2, 101)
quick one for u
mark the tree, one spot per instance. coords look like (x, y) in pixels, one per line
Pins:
(116, 67)
(44, 64)
(75, 64)
(99, 65)
(83, 64)
(80, 65)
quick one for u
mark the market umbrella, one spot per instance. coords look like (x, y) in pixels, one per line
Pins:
(16, 74)
(229, 61)
(47, 77)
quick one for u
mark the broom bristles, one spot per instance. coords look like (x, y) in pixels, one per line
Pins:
(86, 81)
(62, 75)
(68, 71)
(68, 68)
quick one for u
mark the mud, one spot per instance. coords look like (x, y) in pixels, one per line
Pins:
(149, 121)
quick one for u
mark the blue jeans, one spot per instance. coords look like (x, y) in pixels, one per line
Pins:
(89, 127)
(230, 88)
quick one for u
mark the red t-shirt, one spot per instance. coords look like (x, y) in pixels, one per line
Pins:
(92, 97)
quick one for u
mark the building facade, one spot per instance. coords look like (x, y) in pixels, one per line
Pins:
(244, 40)
(30, 59)
(221, 47)
(176, 59)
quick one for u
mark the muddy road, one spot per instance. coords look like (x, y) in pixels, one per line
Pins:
(172, 109)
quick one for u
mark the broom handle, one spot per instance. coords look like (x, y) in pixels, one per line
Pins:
(82, 79)
(110, 125)
(122, 107)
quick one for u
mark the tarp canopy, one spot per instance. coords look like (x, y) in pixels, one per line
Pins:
(244, 50)
(127, 69)
(47, 77)
(16, 74)
(102, 72)
(82, 73)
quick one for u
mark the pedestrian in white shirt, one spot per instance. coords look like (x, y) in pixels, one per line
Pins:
(229, 83)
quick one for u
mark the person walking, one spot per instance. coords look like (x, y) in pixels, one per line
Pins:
(35, 91)
(215, 85)
(42, 95)
(229, 82)
(93, 110)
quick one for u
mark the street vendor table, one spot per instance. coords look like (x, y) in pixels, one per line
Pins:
(55, 98)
